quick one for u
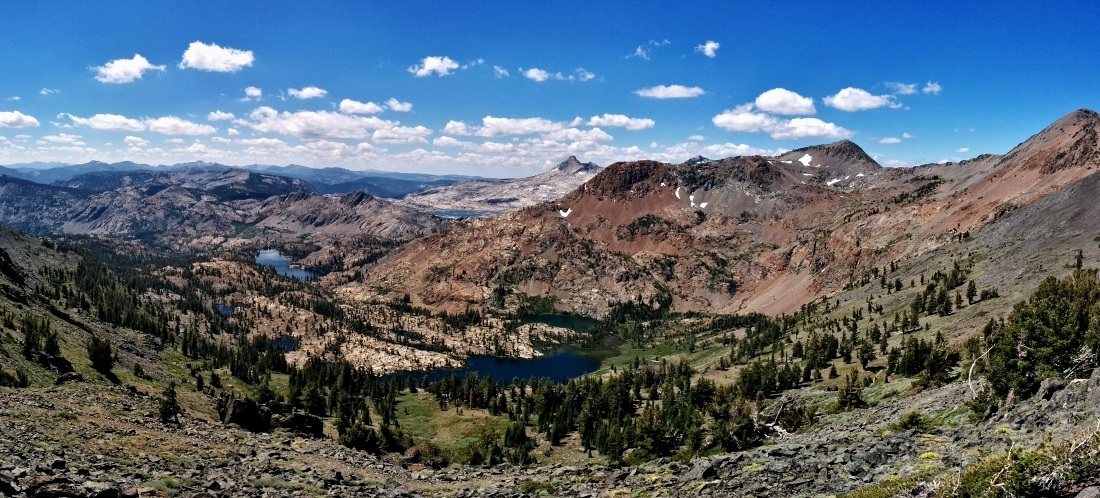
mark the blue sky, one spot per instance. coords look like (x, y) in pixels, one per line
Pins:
(510, 88)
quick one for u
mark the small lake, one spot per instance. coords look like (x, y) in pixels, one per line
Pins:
(275, 259)
(575, 323)
(559, 366)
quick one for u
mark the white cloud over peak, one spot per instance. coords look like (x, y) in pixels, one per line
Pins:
(670, 92)
(125, 70)
(855, 99)
(744, 119)
(619, 120)
(312, 125)
(783, 101)
(214, 58)
(932, 87)
(441, 66)
(901, 88)
(578, 135)
(16, 119)
(399, 106)
(709, 49)
(498, 127)
(309, 92)
(348, 106)
(220, 116)
(889, 140)
(171, 125)
(962, 150)
(109, 122)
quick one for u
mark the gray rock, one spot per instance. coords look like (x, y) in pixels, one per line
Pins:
(1089, 492)
(703, 469)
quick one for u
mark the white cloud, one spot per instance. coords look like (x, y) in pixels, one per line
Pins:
(783, 101)
(896, 163)
(457, 128)
(125, 70)
(214, 58)
(14, 98)
(962, 150)
(498, 127)
(855, 99)
(309, 92)
(348, 106)
(500, 72)
(889, 140)
(219, 116)
(906, 135)
(232, 132)
(619, 120)
(577, 135)
(135, 142)
(902, 88)
(441, 66)
(584, 74)
(932, 87)
(401, 135)
(312, 125)
(48, 91)
(399, 106)
(252, 93)
(744, 119)
(176, 141)
(697, 138)
(16, 119)
(709, 49)
(536, 74)
(670, 92)
(644, 51)
(110, 122)
(62, 138)
(171, 125)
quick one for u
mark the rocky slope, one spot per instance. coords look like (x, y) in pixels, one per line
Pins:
(491, 197)
(748, 233)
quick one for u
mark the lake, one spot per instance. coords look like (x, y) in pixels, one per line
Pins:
(559, 366)
(275, 259)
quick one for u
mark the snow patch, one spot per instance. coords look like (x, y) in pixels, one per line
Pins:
(831, 182)
(565, 214)
(807, 174)
(662, 184)
(703, 205)
(859, 175)
(806, 160)
(691, 199)
(677, 192)
(787, 162)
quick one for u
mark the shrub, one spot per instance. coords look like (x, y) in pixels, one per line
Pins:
(101, 354)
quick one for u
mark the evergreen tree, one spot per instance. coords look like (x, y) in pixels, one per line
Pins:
(169, 405)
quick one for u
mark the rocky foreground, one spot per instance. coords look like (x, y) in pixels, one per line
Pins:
(81, 439)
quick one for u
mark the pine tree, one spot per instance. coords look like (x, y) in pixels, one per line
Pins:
(169, 405)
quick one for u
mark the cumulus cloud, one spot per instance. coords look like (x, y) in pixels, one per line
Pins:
(399, 106)
(171, 125)
(622, 121)
(645, 50)
(232, 132)
(584, 74)
(709, 49)
(252, 93)
(670, 92)
(16, 119)
(109, 122)
(536, 74)
(135, 142)
(901, 88)
(932, 87)
(962, 150)
(309, 92)
(214, 58)
(219, 116)
(697, 138)
(578, 135)
(855, 99)
(125, 70)
(401, 135)
(62, 138)
(889, 140)
(783, 101)
(348, 106)
(500, 72)
(744, 119)
(498, 127)
(441, 66)
(311, 125)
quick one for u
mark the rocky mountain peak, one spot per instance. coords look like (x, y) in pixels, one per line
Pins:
(573, 166)
(696, 160)
(1073, 141)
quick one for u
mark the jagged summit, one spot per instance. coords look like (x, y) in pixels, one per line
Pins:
(573, 165)
(695, 160)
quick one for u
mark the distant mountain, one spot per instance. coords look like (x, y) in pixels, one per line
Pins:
(490, 197)
(377, 183)
(63, 173)
(351, 214)
(226, 184)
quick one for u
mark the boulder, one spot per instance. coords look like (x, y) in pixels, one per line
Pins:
(301, 423)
